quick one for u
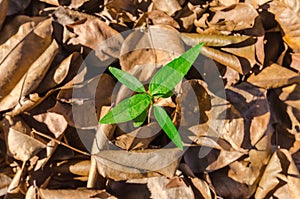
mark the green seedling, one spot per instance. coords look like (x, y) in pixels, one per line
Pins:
(161, 86)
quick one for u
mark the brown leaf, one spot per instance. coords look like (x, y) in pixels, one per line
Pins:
(164, 188)
(61, 72)
(31, 79)
(157, 17)
(94, 34)
(56, 123)
(287, 14)
(21, 146)
(143, 52)
(4, 183)
(290, 95)
(193, 39)
(226, 59)
(33, 193)
(15, 61)
(139, 138)
(167, 6)
(238, 17)
(202, 187)
(3, 9)
(123, 165)
(281, 177)
(274, 76)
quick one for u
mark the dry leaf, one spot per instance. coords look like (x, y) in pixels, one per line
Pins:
(61, 72)
(31, 79)
(274, 76)
(287, 14)
(193, 39)
(3, 9)
(14, 60)
(281, 177)
(139, 138)
(123, 165)
(167, 6)
(144, 51)
(95, 34)
(4, 183)
(33, 193)
(238, 17)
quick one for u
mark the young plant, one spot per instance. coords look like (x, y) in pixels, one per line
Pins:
(161, 85)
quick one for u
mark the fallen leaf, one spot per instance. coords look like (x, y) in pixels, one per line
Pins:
(15, 61)
(31, 79)
(192, 39)
(167, 6)
(280, 171)
(142, 53)
(3, 9)
(123, 165)
(287, 14)
(274, 76)
(65, 193)
(240, 16)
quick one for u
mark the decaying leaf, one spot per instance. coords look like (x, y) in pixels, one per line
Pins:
(192, 39)
(123, 165)
(76, 194)
(31, 79)
(287, 14)
(143, 52)
(236, 17)
(169, 7)
(274, 76)
(3, 9)
(14, 60)
(281, 177)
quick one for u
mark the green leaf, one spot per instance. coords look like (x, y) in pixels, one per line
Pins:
(172, 73)
(139, 120)
(167, 125)
(127, 109)
(127, 79)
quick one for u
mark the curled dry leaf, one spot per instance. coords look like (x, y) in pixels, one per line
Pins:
(56, 123)
(290, 95)
(281, 177)
(193, 39)
(157, 17)
(167, 6)
(274, 76)
(56, 75)
(4, 183)
(31, 79)
(226, 59)
(21, 146)
(3, 9)
(287, 14)
(97, 35)
(164, 188)
(15, 60)
(139, 138)
(123, 165)
(33, 193)
(144, 51)
(236, 17)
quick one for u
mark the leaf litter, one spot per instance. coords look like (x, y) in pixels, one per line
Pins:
(242, 143)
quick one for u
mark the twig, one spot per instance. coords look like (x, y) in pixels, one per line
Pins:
(59, 142)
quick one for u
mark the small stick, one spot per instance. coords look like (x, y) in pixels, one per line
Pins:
(59, 142)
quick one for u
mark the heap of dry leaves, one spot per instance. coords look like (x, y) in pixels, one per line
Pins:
(254, 153)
